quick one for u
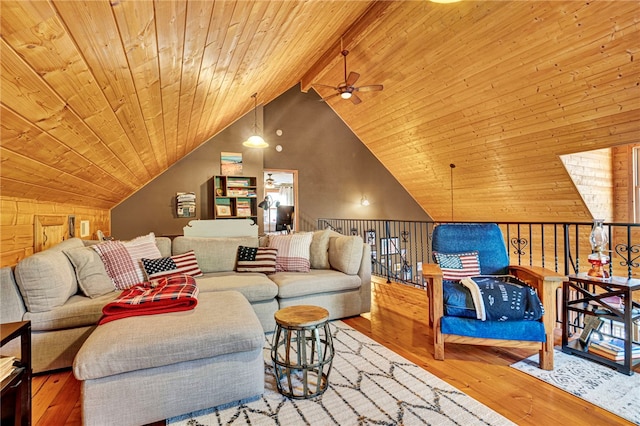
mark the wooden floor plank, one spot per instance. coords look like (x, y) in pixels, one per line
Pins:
(399, 320)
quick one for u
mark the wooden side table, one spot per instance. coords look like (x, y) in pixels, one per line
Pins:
(302, 351)
(582, 291)
(16, 389)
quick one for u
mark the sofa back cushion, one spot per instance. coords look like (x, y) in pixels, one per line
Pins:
(92, 278)
(47, 279)
(345, 253)
(214, 254)
(319, 250)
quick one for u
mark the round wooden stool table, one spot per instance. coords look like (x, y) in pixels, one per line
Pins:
(302, 351)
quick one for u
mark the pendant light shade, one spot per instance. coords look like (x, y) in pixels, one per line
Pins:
(255, 141)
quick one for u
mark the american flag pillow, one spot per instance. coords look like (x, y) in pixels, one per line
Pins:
(456, 266)
(257, 259)
(293, 251)
(185, 263)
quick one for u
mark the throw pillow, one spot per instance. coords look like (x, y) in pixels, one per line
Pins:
(257, 259)
(319, 249)
(118, 264)
(345, 253)
(92, 277)
(144, 246)
(293, 251)
(179, 264)
(47, 279)
(456, 266)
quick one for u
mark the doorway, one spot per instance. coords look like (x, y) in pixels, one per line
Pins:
(280, 205)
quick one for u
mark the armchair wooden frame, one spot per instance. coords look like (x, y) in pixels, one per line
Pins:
(546, 283)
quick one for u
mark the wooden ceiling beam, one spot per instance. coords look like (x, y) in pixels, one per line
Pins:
(369, 20)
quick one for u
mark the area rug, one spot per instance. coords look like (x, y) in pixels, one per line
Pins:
(593, 382)
(368, 385)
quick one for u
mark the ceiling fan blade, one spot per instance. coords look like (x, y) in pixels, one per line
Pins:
(371, 88)
(353, 77)
(355, 99)
(328, 97)
(323, 85)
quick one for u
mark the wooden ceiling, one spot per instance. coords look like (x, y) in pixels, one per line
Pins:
(100, 97)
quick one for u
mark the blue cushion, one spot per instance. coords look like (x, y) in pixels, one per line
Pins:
(532, 331)
(457, 300)
(486, 239)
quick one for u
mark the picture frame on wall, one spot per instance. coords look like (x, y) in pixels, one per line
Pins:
(231, 163)
(389, 246)
(370, 237)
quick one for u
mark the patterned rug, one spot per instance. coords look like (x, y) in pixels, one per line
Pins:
(593, 382)
(368, 384)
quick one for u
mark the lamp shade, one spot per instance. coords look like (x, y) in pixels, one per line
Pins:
(255, 141)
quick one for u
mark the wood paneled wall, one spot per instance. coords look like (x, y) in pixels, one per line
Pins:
(100, 97)
(592, 175)
(623, 179)
(17, 224)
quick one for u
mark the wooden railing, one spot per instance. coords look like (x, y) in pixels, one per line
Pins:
(399, 248)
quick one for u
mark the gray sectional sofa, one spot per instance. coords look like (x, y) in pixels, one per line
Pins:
(44, 289)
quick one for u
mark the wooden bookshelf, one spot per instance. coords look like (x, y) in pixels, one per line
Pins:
(235, 197)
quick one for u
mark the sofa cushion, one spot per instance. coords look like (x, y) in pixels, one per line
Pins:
(456, 266)
(316, 281)
(319, 249)
(222, 323)
(345, 253)
(254, 286)
(118, 264)
(47, 279)
(92, 278)
(178, 264)
(142, 247)
(78, 311)
(257, 259)
(216, 254)
(293, 251)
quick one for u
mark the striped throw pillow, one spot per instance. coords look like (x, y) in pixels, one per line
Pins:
(256, 259)
(118, 264)
(293, 251)
(185, 263)
(456, 266)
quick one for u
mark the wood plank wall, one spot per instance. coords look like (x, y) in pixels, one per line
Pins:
(591, 173)
(17, 223)
(622, 167)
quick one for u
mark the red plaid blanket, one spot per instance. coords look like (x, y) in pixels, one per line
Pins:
(167, 294)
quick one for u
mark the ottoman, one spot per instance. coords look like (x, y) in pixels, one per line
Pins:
(144, 369)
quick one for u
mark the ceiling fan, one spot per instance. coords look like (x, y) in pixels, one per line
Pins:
(346, 89)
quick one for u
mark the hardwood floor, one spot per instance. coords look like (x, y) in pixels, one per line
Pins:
(399, 320)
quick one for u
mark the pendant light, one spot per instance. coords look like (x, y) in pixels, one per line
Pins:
(255, 141)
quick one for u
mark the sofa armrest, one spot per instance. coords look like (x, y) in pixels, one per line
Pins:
(432, 275)
(12, 307)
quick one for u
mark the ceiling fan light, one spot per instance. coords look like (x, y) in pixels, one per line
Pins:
(345, 95)
(255, 141)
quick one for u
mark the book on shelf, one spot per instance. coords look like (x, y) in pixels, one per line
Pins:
(244, 211)
(612, 348)
(6, 366)
(237, 192)
(619, 356)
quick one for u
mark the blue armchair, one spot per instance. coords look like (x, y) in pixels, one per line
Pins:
(449, 325)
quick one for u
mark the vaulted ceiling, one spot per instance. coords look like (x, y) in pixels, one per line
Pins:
(99, 97)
